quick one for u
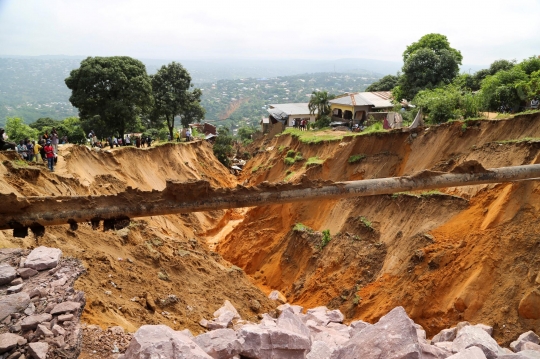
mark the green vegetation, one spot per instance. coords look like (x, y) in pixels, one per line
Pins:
(281, 148)
(291, 153)
(110, 93)
(357, 299)
(314, 161)
(20, 163)
(288, 161)
(319, 103)
(223, 148)
(433, 192)
(356, 158)
(326, 238)
(173, 97)
(255, 169)
(377, 127)
(17, 130)
(298, 157)
(387, 83)
(448, 103)
(288, 176)
(299, 227)
(366, 222)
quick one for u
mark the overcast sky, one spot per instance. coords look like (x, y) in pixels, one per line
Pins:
(277, 29)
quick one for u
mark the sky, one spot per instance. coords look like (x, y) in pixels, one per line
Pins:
(482, 30)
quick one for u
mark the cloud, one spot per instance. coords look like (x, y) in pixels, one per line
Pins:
(280, 29)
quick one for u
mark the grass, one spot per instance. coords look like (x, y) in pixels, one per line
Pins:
(288, 161)
(356, 158)
(20, 163)
(298, 157)
(314, 161)
(255, 169)
(299, 227)
(433, 192)
(281, 148)
(366, 222)
(313, 137)
(377, 127)
(288, 176)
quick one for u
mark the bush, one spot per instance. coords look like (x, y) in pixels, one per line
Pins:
(326, 238)
(288, 161)
(291, 153)
(356, 158)
(323, 122)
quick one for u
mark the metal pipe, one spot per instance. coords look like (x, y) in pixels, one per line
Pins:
(198, 196)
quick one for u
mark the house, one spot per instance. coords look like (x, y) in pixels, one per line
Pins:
(265, 124)
(285, 113)
(357, 106)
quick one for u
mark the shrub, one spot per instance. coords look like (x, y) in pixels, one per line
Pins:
(298, 157)
(314, 161)
(356, 158)
(291, 153)
(288, 161)
(326, 238)
(366, 222)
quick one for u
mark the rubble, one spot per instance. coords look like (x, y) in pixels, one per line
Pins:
(31, 325)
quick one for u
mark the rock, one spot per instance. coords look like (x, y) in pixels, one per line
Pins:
(220, 344)
(529, 354)
(15, 288)
(394, 336)
(277, 296)
(529, 306)
(420, 333)
(43, 258)
(319, 350)
(530, 346)
(222, 322)
(335, 316)
(473, 336)
(160, 341)
(470, 353)
(340, 328)
(187, 333)
(444, 345)
(290, 322)
(26, 273)
(272, 342)
(529, 336)
(295, 308)
(31, 322)
(65, 317)
(318, 315)
(16, 281)
(42, 330)
(13, 303)
(333, 338)
(433, 352)
(58, 341)
(8, 341)
(31, 309)
(58, 330)
(7, 274)
(445, 335)
(357, 326)
(65, 307)
(38, 350)
(486, 328)
(227, 307)
(254, 305)
(203, 323)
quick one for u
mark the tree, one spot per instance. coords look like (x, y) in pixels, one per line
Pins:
(245, 133)
(447, 103)
(223, 148)
(428, 63)
(110, 92)
(172, 97)
(502, 88)
(530, 65)
(44, 123)
(387, 83)
(17, 130)
(319, 102)
(501, 65)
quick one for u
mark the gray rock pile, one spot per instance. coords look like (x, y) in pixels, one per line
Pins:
(319, 333)
(39, 309)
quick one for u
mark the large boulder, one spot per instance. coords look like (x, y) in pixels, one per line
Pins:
(529, 336)
(319, 350)
(7, 274)
(38, 350)
(227, 307)
(445, 335)
(13, 303)
(433, 352)
(220, 343)
(394, 336)
(160, 341)
(470, 336)
(31, 322)
(43, 258)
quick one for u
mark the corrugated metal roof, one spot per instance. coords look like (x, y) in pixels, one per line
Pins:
(375, 99)
(291, 108)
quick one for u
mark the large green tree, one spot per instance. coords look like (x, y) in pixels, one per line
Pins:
(502, 89)
(17, 130)
(428, 63)
(171, 87)
(387, 83)
(110, 92)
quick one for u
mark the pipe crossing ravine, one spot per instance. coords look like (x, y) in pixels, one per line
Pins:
(36, 212)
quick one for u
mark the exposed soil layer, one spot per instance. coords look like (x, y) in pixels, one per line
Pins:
(466, 253)
(156, 270)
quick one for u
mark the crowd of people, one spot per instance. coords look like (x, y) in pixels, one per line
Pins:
(44, 150)
(300, 124)
(113, 141)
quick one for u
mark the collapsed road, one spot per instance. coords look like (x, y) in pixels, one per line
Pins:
(23, 213)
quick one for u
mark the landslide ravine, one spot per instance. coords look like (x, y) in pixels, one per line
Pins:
(470, 253)
(158, 269)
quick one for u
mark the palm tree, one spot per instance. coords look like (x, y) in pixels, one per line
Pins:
(319, 102)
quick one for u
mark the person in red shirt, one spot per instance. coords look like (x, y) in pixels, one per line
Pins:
(49, 152)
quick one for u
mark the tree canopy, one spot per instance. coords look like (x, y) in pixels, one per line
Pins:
(387, 83)
(110, 92)
(173, 98)
(319, 102)
(223, 148)
(17, 130)
(428, 63)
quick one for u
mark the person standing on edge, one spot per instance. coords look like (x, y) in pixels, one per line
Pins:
(37, 150)
(54, 140)
(49, 152)
(29, 150)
